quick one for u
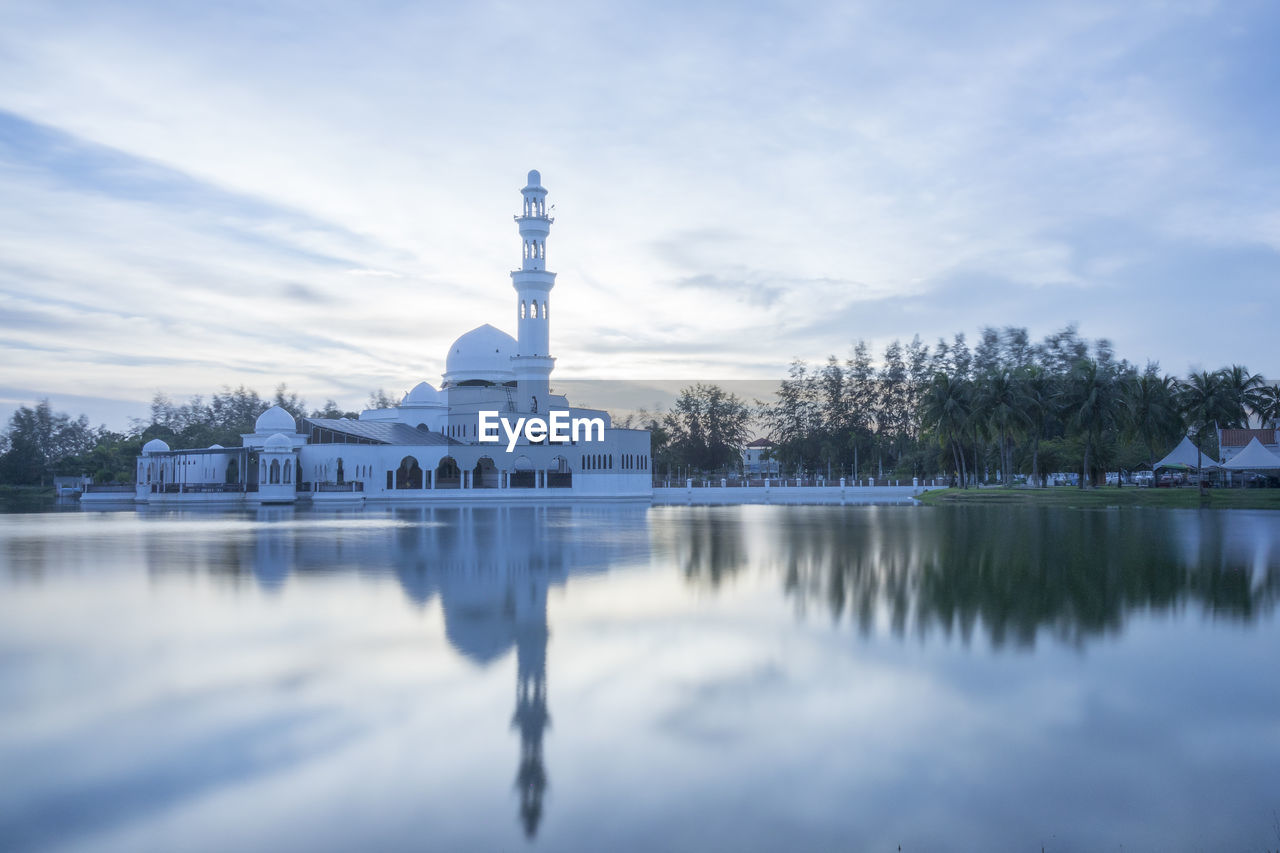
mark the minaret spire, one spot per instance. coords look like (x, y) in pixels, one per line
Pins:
(531, 716)
(532, 282)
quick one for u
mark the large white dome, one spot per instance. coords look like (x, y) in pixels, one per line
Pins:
(155, 445)
(275, 419)
(484, 353)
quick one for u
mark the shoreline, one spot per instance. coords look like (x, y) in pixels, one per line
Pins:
(1107, 496)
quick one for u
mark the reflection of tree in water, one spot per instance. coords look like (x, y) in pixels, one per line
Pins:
(706, 543)
(1014, 572)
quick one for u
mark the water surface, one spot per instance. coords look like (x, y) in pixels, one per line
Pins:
(623, 677)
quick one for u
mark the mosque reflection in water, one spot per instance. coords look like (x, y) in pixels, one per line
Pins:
(1008, 576)
(491, 568)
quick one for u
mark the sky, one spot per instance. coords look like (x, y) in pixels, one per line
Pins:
(195, 195)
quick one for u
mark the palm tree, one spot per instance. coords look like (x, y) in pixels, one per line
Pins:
(1206, 399)
(1038, 393)
(1268, 405)
(1243, 390)
(1150, 408)
(945, 410)
(1091, 404)
(1003, 413)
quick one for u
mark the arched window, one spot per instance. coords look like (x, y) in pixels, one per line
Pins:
(275, 471)
(533, 309)
(521, 309)
(544, 310)
(288, 470)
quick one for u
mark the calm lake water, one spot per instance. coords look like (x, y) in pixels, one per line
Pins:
(633, 678)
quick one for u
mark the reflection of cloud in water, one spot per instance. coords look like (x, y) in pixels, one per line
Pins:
(717, 710)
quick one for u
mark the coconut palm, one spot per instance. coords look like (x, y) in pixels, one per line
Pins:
(1091, 404)
(1268, 405)
(1002, 410)
(1151, 409)
(1039, 399)
(945, 409)
(1205, 400)
(1243, 390)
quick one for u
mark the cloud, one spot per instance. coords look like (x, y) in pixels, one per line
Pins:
(733, 187)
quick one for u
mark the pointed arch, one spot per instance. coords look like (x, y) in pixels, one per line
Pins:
(448, 475)
(409, 474)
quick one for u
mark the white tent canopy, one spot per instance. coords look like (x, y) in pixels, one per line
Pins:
(1186, 455)
(1254, 457)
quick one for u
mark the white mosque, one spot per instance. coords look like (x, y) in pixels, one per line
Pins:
(429, 447)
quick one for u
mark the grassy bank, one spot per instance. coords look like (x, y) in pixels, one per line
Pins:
(1069, 496)
(26, 492)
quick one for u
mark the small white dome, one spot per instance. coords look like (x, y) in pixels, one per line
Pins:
(216, 447)
(422, 394)
(535, 179)
(278, 440)
(275, 419)
(155, 445)
(484, 353)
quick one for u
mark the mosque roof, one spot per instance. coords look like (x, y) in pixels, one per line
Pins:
(421, 394)
(275, 419)
(377, 432)
(483, 353)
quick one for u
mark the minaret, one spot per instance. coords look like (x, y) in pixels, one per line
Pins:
(533, 361)
(531, 716)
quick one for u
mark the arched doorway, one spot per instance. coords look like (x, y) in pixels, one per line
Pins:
(409, 474)
(341, 473)
(559, 476)
(522, 475)
(448, 475)
(233, 472)
(485, 474)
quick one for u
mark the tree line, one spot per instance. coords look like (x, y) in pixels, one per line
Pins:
(39, 444)
(1005, 407)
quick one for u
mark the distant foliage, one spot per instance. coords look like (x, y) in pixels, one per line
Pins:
(380, 399)
(39, 444)
(706, 429)
(1007, 407)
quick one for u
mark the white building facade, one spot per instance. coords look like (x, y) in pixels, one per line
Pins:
(429, 447)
